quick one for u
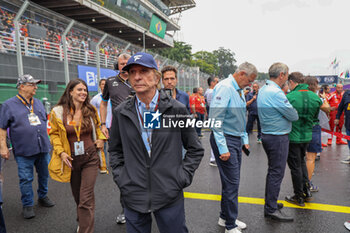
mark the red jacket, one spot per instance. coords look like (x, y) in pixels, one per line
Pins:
(334, 99)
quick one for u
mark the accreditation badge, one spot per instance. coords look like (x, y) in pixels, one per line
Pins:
(33, 119)
(79, 148)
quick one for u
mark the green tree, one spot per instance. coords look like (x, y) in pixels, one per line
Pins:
(220, 62)
(181, 52)
(204, 66)
(262, 76)
(226, 62)
(208, 62)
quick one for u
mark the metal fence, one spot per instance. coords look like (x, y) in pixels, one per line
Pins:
(69, 42)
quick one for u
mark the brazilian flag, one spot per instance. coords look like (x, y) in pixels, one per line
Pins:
(157, 26)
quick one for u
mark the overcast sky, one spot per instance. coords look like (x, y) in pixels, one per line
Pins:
(305, 34)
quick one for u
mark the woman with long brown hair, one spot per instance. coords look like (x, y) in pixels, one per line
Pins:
(77, 143)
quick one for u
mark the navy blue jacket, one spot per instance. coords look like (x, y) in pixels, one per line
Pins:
(151, 182)
(253, 107)
(183, 98)
(345, 106)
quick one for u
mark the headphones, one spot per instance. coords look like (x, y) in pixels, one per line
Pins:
(115, 64)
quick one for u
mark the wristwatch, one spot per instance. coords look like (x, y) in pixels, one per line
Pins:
(103, 123)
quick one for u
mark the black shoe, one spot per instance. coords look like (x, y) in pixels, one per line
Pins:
(279, 206)
(307, 192)
(295, 200)
(279, 216)
(46, 202)
(28, 212)
(307, 196)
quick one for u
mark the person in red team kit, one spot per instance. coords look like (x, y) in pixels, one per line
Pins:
(334, 99)
(197, 104)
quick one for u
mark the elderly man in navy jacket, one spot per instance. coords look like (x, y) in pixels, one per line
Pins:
(146, 156)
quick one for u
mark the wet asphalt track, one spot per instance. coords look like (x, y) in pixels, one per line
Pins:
(330, 175)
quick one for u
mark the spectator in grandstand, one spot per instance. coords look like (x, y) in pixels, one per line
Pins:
(307, 104)
(252, 108)
(2, 48)
(149, 170)
(117, 89)
(208, 95)
(315, 145)
(344, 106)
(228, 106)
(96, 102)
(76, 138)
(334, 100)
(197, 104)
(26, 118)
(276, 115)
(169, 79)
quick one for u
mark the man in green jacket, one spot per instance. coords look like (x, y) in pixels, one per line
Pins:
(307, 104)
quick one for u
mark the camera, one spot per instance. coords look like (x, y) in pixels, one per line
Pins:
(132, 94)
(168, 92)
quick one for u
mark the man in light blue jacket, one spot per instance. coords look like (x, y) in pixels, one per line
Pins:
(228, 106)
(276, 115)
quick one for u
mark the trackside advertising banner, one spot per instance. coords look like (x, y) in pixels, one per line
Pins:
(89, 75)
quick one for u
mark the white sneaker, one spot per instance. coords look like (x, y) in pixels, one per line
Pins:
(234, 230)
(347, 225)
(241, 225)
(346, 161)
(221, 222)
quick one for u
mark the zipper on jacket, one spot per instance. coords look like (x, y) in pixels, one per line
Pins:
(149, 188)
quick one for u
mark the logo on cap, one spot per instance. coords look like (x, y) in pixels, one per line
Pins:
(137, 57)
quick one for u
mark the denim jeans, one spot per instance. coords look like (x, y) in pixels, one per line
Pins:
(25, 173)
(230, 176)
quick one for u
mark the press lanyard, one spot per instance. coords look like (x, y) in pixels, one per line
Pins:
(30, 106)
(77, 130)
(149, 134)
(240, 94)
(123, 81)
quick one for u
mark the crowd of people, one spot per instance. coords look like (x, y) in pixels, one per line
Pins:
(152, 164)
(77, 40)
